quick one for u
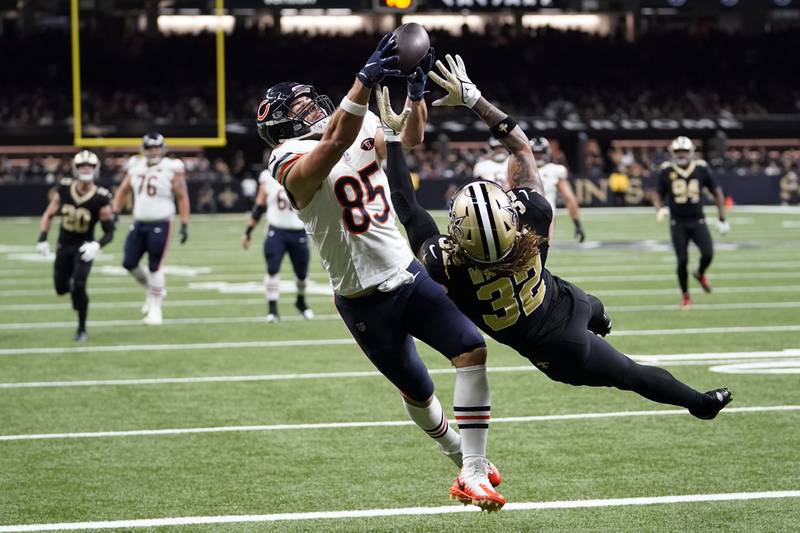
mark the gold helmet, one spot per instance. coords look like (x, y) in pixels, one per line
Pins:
(86, 158)
(681, 144)
(483, 222)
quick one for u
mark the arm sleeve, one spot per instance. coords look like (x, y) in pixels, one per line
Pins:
(108, 232)
(419, 224)
(662, 186)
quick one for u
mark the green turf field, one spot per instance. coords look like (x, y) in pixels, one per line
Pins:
(68, 454)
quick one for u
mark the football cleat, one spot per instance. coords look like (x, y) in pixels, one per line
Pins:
(493, 474)
(154, 317)
(715, 401)
(273, 318)
(80, 336)
(308, 314)
(146, 306)
(702, 280)
(472, 487)
(686, 301)
(602, 326)
(300, 305)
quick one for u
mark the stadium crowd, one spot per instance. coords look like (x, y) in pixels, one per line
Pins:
(544, 72)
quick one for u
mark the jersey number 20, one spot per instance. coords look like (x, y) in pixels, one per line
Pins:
(353, 193)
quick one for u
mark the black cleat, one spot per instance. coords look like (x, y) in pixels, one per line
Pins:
(702, 280)
(602, 326)
(80, 336)
(714, 402)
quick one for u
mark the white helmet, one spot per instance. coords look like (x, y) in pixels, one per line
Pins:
(681, 144)
(540, 145)
(86, 158)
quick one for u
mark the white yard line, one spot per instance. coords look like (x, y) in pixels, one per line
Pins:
(775, 357)
(399, 511)
(385, 423)
(325, 342)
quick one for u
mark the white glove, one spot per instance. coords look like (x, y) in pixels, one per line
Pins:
(43, 247)
(723, 227)
(460, 89)
(662, 214)
(89, 250)
(391, 122)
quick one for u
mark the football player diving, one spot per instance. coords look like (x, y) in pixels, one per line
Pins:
(81, 205)
(680, 183)
(492, 264)
(328, 161)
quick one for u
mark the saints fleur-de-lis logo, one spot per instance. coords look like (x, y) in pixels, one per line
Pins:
(455, 225)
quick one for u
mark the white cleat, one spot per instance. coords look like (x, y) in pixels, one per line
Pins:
(308, 314)
(472, 487)
(273, 318)
(146, 307)
(154, 317)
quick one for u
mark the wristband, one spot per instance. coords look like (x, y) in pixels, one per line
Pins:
(353, 108)
(503, 128)
(42, 236)
(722, 219)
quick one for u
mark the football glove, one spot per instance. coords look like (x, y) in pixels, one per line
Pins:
(43, 247)
(460, 89)
(723, 227)
(579, 234)
(184, 233)
(417, 80)
(662, 214)
(383, 62)
(89, 251)
(391, 123)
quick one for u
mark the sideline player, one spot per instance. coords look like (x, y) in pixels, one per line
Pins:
(285, 234)
(680, 184)
(157, 182)
(555, 182)
(81, 205)
(492, 264)
(492, 166)
(328, 163)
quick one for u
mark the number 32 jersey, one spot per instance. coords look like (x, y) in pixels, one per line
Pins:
(509, 308)
(350, 217)
(154, 200)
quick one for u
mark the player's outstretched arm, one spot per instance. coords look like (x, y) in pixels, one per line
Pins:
(121, 196)
(461, 91)
(259, 208)
(419, 224)
(305, 176)
(566, 192)
(44, 225)
(181, 192)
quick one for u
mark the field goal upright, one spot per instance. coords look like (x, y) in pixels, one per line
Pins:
(79, 140)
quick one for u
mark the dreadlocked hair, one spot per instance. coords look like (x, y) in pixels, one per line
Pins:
(527, 245)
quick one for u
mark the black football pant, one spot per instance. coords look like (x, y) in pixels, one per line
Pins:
(576, 356)
(70, 275)
(682, 232)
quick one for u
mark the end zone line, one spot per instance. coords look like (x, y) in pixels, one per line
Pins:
(370, 424)
(401, 511)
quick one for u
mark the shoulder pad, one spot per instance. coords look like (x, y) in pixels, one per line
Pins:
(700, 163)
(665, 164)
(65, 181)
(103, 191)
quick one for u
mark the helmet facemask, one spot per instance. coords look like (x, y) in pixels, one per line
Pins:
(681, 150)
(86, 166)
(277, 121)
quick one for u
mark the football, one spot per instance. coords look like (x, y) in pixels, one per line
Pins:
(412, 45)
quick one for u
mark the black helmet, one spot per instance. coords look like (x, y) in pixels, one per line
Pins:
(272, 116)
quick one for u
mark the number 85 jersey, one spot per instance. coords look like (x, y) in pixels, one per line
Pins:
(350, 217)
(510, 308)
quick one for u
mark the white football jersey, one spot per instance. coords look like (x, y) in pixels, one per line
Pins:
(153, 199)
(491, 170)
(551, 174)
(351, 217)
(280, 213)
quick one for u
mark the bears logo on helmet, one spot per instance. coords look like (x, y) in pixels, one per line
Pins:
(277, 121)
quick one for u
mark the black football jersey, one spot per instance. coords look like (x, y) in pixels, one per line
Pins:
(682, 188)
(79, 213)
(509, 308)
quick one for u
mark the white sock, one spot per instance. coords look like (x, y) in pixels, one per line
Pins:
(156, 288)
(272, 287)
(433, 422)
(140, 275)
(473, 409)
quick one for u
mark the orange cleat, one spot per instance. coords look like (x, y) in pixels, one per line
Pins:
(702, 280)
(472, 487)
(493, 475)
(686, 301)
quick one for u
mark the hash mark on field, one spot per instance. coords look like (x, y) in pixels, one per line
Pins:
(385, 423)
(664, 359)
(402, 511)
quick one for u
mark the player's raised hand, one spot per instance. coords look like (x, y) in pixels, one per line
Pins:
(460, 89)
(418, 79)
(391, 122)
(723, 227)
(383, 62)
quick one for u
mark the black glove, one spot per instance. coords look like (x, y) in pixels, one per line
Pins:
(184, 233)
(417, 80)
(383, 62)
(579, 234)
